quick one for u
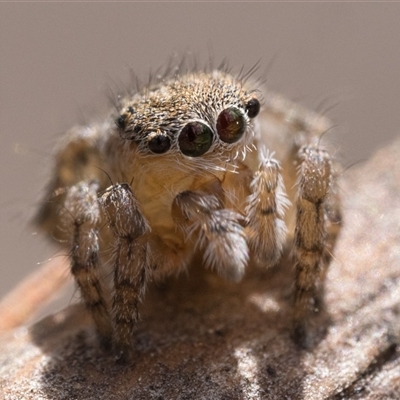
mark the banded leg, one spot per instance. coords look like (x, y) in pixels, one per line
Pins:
(130, 261)
(265, 209)
(314, 181)
(220, 234)
(83, 211)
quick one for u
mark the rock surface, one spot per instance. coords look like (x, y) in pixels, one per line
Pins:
(203, 338)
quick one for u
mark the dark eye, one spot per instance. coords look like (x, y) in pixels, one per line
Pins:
(159, 144)
(231, 125)
(121, 121)
(252, 108)
(195, 139)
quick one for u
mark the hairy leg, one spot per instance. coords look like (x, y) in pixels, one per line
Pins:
(265, 209)
(130, 262)
(82, 218)
(310, 241)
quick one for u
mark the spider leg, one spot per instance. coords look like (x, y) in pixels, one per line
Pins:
(265, 209)
(82, 219)
(130, 262)
(220, 233)
(310, 240)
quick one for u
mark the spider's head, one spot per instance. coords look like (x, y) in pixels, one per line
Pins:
(201, 119)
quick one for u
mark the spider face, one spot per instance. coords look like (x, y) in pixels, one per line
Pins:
(193, 170)
(190, 117)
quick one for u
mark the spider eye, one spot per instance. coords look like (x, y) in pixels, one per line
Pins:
(195, 139)
(253, 108)
(231, 125)
(121, 121)
(159, 144)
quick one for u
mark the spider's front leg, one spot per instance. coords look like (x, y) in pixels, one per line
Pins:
(219, 231)
(265, 209)
(130, 261)
(310, 240)
(82, 216)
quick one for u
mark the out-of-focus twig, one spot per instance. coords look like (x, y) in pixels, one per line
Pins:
(36, 290)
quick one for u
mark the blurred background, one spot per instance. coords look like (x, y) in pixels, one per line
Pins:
(56, 61)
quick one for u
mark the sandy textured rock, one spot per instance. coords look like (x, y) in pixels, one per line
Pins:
(203, 338)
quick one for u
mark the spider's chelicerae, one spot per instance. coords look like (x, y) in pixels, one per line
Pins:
(195, 163)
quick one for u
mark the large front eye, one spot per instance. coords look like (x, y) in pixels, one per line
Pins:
(231, 125)
(195, 139)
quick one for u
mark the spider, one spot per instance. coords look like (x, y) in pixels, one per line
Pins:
(194, 164)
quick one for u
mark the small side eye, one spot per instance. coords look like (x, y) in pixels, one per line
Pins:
(231, 125)
(253, 108)
(159, 144)
(121, 121)
(195, 139)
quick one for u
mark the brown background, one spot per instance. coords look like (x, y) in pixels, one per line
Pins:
(57, 59)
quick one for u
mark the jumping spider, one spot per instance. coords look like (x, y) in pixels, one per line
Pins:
(193, 164)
